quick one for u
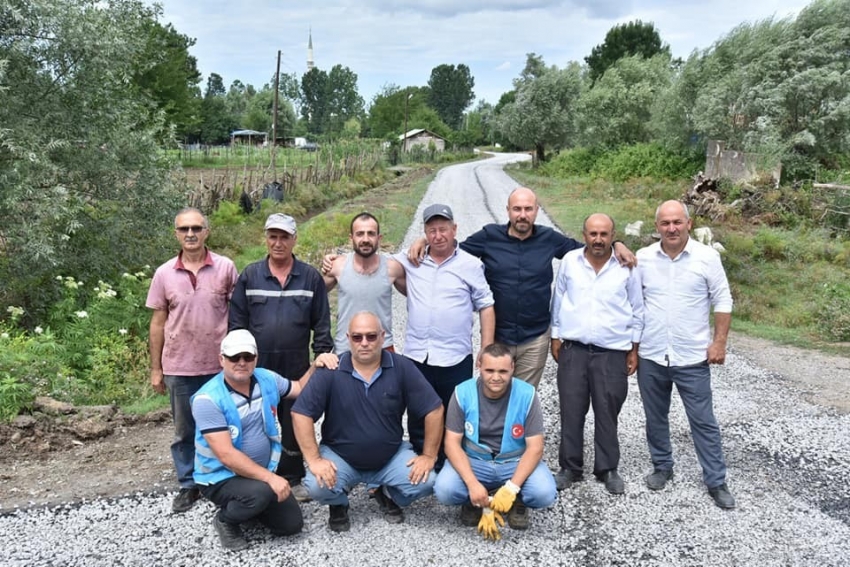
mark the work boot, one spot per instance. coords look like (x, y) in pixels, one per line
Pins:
(230, 535)
(658, 479)
(518, 516)
(185, 499)
(392, 512)
(338, 520)
(469, 515)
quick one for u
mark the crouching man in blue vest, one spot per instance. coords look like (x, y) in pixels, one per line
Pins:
(238, 443)
(494, 442)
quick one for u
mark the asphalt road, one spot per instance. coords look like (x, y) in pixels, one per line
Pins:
(789, 465)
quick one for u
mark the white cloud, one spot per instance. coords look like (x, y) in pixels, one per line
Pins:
(504, 66)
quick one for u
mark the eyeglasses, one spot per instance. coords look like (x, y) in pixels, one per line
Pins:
(185, 229)
(358, 337)
(246, 356)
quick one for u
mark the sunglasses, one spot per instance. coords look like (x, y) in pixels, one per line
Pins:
(246, 356)
(186, 229)
(358, 337)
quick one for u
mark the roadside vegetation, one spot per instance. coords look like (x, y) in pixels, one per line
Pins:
(92, 176)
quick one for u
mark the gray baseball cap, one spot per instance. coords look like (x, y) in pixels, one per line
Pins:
(437, 210)
(282, 222)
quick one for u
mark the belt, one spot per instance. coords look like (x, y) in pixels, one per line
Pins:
(588, 348)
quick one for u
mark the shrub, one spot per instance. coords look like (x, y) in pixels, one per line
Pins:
(647, 160)
(834, 311)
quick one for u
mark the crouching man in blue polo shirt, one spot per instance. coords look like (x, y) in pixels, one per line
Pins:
(363, 402)
(494, 442)
(238, 443)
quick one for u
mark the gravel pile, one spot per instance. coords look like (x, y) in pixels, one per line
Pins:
(789, 464)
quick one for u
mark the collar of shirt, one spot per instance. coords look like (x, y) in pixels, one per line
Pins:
(208, 261)
(347, 365)
(428, 257)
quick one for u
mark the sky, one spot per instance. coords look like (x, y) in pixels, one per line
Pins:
(400, 42)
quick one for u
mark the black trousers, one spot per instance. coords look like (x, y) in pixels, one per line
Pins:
(242, 499)
(590, 376)
(291, 465)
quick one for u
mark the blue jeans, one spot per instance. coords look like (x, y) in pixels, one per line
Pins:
(181, 389)
(538, 490)
(694, 386)
(394, 476)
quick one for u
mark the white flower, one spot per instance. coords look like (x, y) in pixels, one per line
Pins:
(15, 311)
(122, 331)
(59, 278)
(38, 330)
(4, 335)
(81, 314)
(128, 276)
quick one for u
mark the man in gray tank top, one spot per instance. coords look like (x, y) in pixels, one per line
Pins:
(365, 279)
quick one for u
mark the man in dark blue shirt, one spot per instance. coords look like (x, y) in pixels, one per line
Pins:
(517, 259)
(363, 402)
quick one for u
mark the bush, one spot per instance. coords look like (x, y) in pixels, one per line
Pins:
(834, 311)
(572, 163)
(647, 160)
(91, 349)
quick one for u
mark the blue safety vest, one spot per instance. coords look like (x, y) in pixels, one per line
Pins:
(513, 437)
(208, 469)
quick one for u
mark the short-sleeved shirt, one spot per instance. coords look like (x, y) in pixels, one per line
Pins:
(441, 300)
(491, 418)
(197, 313)
(363, 420)
(255, 443)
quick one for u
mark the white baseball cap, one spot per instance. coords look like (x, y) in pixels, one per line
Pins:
(238, 341)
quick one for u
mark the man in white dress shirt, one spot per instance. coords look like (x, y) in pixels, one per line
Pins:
(682, 280)
(597, 319)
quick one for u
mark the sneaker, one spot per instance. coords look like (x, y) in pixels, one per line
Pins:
(338, 520)
(185, 499)
(230, 535)
(613, 482)
(565, 478)
(518, 516)
(722, 497)
(658, 479)
(300, 492)
(470, 515)
(392, 512)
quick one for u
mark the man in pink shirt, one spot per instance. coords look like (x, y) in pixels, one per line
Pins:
(189, 296)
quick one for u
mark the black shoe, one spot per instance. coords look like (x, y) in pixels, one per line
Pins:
(470, 515)
(613, 482)
(658, 479)
(230, 535)
(565, 478)
(722, 497)
(338, 520)
(185, 499)
(392, 512)
(518, 516)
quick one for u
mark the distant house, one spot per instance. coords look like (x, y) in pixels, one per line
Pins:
(250, 137)
(422, 137)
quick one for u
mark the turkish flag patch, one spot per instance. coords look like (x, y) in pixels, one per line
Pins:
(517, 431)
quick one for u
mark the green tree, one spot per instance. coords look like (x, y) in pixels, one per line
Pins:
(169, 76)
(544, 112)
(451, 92)
(619, 108)
(342, 101)
(313, 100)
(632, 38)
(86, 190)
(217, 121)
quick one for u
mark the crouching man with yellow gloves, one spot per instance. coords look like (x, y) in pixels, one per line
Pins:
(494, 441)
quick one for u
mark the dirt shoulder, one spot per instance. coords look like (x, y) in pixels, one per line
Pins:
(46, 461)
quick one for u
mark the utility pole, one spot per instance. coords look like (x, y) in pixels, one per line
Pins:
(274, 113)
(404, 134)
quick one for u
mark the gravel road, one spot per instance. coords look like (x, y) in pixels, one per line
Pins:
(788, 454)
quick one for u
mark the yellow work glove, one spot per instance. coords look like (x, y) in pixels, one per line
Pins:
(504, 498)
(487, 524)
